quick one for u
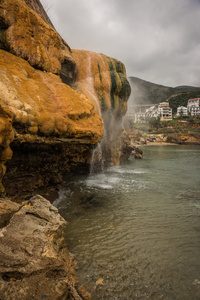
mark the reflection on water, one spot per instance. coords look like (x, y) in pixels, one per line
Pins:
(137, 227)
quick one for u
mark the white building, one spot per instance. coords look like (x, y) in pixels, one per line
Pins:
(140, 117)
(152, 112)
(193, 107)
(182, 111)
(165, 111)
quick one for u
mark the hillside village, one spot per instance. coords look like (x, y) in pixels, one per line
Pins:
(164, 111)
(157, 123)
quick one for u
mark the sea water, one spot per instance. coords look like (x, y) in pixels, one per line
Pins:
(135, 229)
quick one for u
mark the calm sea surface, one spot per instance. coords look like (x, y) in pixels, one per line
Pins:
(135, 229)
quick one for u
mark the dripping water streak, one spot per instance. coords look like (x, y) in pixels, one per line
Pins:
(97, 159)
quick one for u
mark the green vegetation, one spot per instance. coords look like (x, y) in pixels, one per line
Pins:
(154, 122)
(141, 126)
(182, 98)
(155, 126)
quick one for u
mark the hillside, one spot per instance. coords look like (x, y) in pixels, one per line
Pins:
(144, 92)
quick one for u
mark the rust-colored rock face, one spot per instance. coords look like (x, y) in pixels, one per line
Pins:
(25, 34)
(43, 110)
(38, 8)
(103, 80)
(6, 137)
(43, 105)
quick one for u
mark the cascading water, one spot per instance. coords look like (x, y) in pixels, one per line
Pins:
(103, 81)
(86, 81)
(97, 159)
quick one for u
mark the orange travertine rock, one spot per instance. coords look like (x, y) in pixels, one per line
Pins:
(38, 8)
(27, 35)
(103, 80)
(41, 107)
(41, 103)
(6, 137)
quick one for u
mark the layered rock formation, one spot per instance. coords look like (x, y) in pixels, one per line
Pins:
(52, 127)
(38, 8)
(53, 130)
(53, 101)
(35, 262)
(26, 35)
(103, 80)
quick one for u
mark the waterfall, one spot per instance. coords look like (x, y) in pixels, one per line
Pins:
(103, 81)
(97, 159)
(85, 80)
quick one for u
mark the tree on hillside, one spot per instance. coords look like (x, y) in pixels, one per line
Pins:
(154, 122)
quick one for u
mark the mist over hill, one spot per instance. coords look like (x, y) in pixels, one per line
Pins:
(144, 92)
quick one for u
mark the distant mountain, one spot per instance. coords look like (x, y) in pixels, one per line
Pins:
(144, 92)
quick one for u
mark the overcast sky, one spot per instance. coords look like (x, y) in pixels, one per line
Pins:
(157, 40)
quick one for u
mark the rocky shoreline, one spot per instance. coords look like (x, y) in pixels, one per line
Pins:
(35, 262)
(142, 138)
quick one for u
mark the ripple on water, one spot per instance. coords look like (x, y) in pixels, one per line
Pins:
(136, 227)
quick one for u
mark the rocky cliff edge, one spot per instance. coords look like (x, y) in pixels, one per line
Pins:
(45, 119)
(53, 101)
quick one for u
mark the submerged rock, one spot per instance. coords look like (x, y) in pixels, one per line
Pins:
(137, 153)
(35, 262)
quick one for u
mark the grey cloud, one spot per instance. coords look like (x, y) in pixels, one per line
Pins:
(156, 40)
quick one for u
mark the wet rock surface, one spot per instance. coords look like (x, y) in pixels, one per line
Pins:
(137, 152)
(35, 262)
(44, 164)
(103, 80)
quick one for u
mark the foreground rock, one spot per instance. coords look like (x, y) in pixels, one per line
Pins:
(35, 262)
